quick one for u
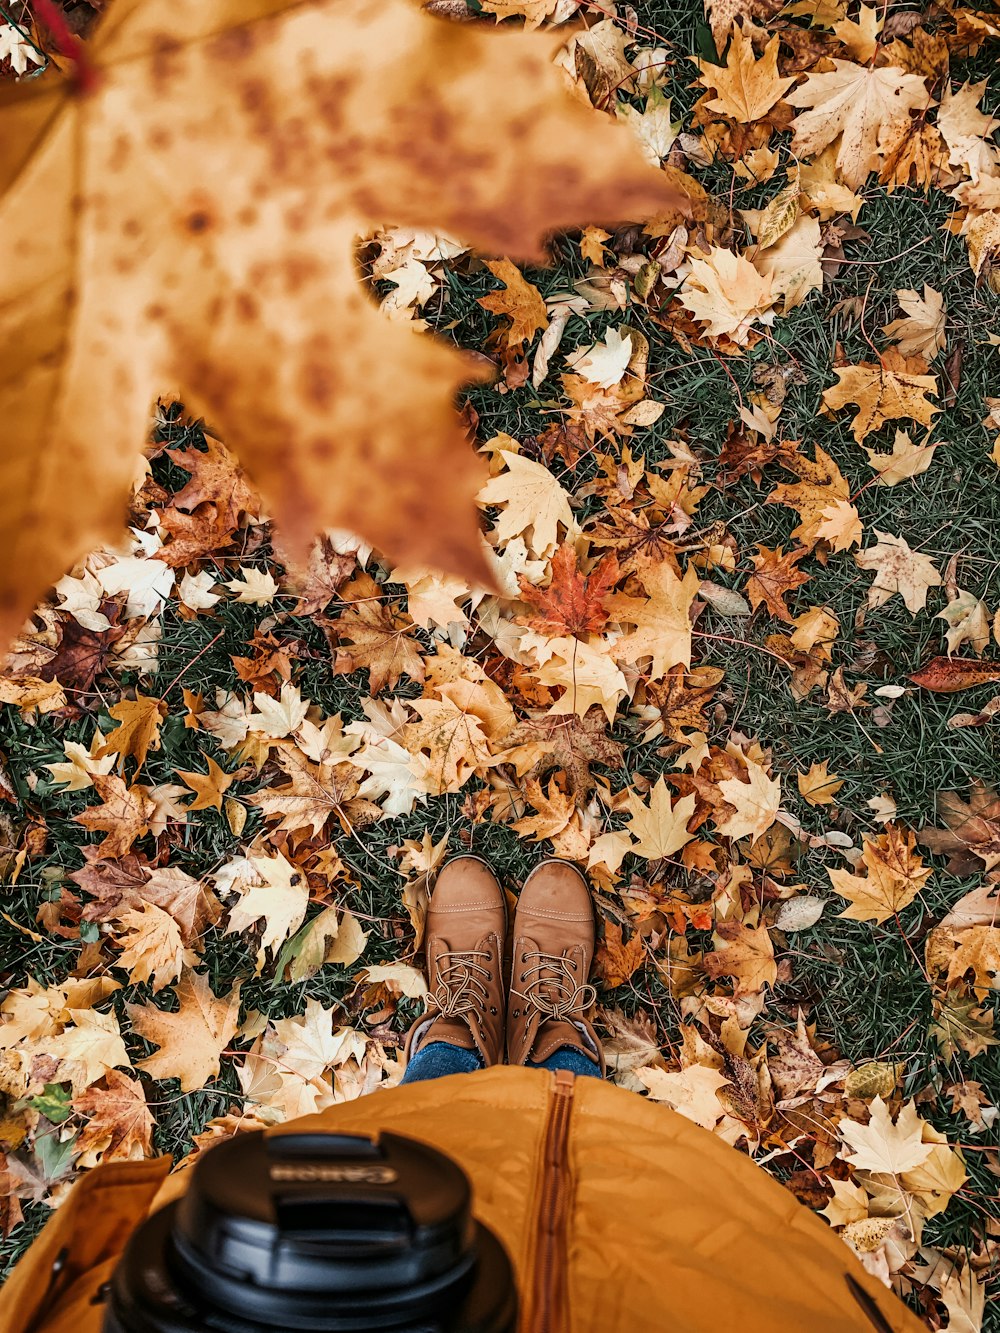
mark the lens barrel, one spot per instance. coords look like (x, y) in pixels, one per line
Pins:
(323, 1232)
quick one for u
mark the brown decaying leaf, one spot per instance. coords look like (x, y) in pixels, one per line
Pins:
(949, 675)
(496, 153)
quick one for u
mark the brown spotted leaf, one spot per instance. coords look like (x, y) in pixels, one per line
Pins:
(948, 675)
(222, 285)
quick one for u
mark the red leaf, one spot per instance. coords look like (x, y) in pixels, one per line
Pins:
(948, 675)
(573, 603)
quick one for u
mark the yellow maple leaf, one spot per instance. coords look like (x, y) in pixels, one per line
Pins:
(453, 740)
(898, 569)
(905, 461)
(822, 498)
(882, 392)
(894, 875)
(192, 1039)
(533, 503)
(691, 1091)
(519, 301)
(662, 620)
(978, 952)
(817, 786)
(138, 730)
(757, 802)
(744, 953)
(856, 102)
(278, 896)
(920, 331)
(209, 788)
(223, 288)
(745, 89)
(728, 295)
(153, 949)
(659, 828)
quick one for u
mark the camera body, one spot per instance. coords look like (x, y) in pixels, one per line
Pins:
(319, 1232)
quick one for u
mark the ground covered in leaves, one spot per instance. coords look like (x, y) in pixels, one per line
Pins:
(741, 511)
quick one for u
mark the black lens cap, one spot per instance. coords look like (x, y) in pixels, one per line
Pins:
(287, 1225)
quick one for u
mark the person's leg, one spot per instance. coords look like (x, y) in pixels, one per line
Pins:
(571, 1059)
(438, 1059)
(462, 1028)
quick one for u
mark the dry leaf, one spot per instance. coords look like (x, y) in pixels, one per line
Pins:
(854, 102)
(817, 786)
(882, 392)
(745, 954)
(897, 569)
(906, 460)
(921, 330)
(235, 249)
(884, 1146)
(894, 875)
(191, 1039)
(658, 828)
(745, 89)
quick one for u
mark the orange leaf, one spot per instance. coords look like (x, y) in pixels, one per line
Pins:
(948, 675)
(573, 603)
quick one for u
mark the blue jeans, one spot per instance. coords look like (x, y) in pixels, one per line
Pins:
(440, 1058)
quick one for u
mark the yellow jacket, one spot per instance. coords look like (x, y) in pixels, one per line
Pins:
(618, 1214)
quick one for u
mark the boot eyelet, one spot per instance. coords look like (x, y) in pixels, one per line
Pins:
(517, 1013)
(493, 1009)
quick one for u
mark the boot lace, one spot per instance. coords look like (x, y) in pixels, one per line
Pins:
(462, 983)
(551, 987)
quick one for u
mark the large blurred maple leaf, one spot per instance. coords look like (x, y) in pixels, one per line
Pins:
(190, 225)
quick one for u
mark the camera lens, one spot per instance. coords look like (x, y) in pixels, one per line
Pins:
(316, 1232)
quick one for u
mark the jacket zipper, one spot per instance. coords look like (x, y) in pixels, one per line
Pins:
(552, 1211)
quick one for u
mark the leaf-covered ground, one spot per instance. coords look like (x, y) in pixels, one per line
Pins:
(736, 506)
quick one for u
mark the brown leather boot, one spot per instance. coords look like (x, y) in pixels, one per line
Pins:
(463, 940)
(550, 1001)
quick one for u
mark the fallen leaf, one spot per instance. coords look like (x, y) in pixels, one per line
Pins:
(138, 730)
(209, 788)
(278, 896)
(379, 638)
(532, 500)
(191, 1039)
(894, 875)
(573, 602)
(817, 786)
(885, 1146)
(897, 569)
(745, 89)
(452, 150)
(882, 392)
(775, 576)
(662, 621)
(152, 948)
(518, 301)
(968, 621)
(658, 828)
(123, 815)
(728, 295)
(745, 954)
(920, 332)
(119, 1123)
(949, 675)
(756, 801)
(603, 363)
(854, 102)
(906, 460)
(972, 830)
(691, 1091)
